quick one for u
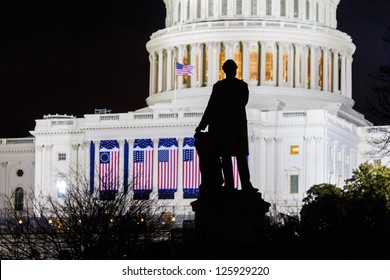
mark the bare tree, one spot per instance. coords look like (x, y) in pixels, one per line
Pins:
(81, 225)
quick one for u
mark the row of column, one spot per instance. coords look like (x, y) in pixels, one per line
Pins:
(291, 65)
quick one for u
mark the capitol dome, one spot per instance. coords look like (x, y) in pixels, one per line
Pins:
(288, 51)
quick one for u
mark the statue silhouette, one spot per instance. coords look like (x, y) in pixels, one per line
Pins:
(225, 117)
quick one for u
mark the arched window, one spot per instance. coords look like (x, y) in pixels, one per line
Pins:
(205, 65)
(307, 9)
(224, 8)
(253, 66)
(221, 62)
(320, 71)
(186, 80)
(285, 67)
(268, 7)
(238, 7)
(254, 7)
(211, 8)
(282, 8)
(317, 12)
(19, 199)
(238, 60)
(269, 67)
(296, 8)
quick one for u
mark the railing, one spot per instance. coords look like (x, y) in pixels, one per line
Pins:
(294, 114)
(17, 141)
(109, 117)
(62, 122)
(247, 23)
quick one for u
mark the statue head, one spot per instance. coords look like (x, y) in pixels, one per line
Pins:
(230, 68)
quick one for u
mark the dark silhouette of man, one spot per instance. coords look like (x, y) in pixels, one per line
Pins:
(225, 117)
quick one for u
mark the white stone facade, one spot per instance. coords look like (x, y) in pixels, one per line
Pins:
(302, 127)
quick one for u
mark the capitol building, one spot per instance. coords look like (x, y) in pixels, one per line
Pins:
(302, 127)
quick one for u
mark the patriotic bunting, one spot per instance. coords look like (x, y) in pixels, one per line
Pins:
(167, 165)
(143, 165)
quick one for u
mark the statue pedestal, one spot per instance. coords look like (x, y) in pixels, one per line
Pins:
(229, 224)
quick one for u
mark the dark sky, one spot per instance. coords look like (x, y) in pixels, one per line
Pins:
(70, 57)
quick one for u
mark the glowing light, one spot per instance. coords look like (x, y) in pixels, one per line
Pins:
(20, 222)
(50, 221)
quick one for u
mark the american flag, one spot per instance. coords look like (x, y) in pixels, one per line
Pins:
(191, 171)
(143, 165)
(235, 173)
(108, 165)
(236, 179)
(184, 70)
(167, 164)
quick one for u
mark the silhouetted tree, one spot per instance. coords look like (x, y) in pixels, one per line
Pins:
(379, 105)
(353, 222)
(81, 225)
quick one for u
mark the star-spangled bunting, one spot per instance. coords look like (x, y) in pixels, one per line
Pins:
(191, 171)
(167, 164)
(143, 165)
(109, 165)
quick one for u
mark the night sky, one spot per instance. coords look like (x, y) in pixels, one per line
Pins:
(70, 57)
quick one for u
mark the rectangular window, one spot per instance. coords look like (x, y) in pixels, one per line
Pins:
(282, 8)
(61, 156)
(238, 7)
(296, 8)
(294, 183)
(294, 150)
(268, 8)
(224, 8)
(254, 8)
(211, 8)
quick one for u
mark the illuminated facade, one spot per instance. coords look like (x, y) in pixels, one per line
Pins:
(302, 127)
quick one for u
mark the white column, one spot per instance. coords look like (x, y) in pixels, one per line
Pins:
(245, 61)
(349, 76)
(270, 168)
(262, 63)
(343, 74)
(200, 65)
(313, 67)
(179, 79)
(335, 71)
(38, 169)
(297, 65)
(290, 67)
(325, 80)
(130, 142)
(214, 70)
(47, 168)
(279, 67)
(121, 163)
(179, 193)
(97, 160)
(305, 68)
(169, 69)
(151, 75)
(155, 167)
(160, 70)
(210, 57)
(193, 62)
(229, 50)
